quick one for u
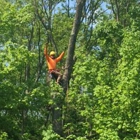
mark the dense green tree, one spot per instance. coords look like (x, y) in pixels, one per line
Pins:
(121, 10)
(102, 100)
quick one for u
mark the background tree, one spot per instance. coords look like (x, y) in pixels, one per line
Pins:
(120, 10)
(70, 57)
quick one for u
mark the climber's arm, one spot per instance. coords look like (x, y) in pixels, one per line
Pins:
(60, 57)
(46, 51)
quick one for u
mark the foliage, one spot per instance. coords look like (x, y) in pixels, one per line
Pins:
(61, 29)
(3, 136)
(103, 98)
(50, 135)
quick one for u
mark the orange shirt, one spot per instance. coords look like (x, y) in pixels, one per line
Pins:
(52, 62)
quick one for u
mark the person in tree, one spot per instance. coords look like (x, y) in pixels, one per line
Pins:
(52, 61)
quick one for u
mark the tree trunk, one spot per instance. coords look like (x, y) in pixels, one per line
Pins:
(57, 114)
(70, 57)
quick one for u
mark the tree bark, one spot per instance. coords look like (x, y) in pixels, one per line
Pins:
(57, 114)
(71, 48)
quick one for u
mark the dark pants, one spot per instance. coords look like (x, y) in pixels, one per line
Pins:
(55, 75)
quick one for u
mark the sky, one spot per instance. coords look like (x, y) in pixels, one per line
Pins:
(73, 4)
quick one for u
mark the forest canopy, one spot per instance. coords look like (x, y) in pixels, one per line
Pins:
(99, 99)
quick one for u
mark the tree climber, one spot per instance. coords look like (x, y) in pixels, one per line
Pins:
(52, 61)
